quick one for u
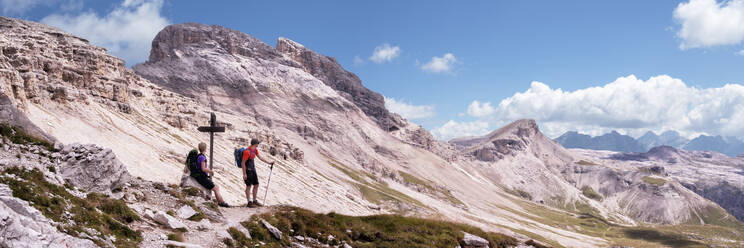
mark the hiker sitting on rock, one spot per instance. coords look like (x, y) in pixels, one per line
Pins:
(249, 172)
(202, 175)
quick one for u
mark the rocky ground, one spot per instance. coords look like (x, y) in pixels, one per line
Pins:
(75, 176)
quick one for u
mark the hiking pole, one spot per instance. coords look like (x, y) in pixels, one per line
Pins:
(267, 183)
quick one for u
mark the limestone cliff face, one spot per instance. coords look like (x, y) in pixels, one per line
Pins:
(346, 83)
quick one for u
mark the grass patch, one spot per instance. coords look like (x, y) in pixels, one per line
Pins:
(654, 180)
(585, 162)
(118, 209)
(197, 217)
(356, 176)
(520, 193)
(374, 191)
(366, 231)
(427, 185)
(655, 236)
(176, 236)
(99, 212)
(589, 192)
(239, 237)
(18, 136)
(212, 206)
(589, 222)
(192, 191)
(159, 186)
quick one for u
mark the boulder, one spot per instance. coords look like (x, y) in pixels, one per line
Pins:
(204, 224)
(273, 230)
(472, 241)
(149, 214)
(171, 243)
(23, 226)
(167, 220)
(92, 168)
(185, 212)
(188, 181)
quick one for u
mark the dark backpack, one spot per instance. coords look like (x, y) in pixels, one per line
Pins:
(191, 162)
(239, 156)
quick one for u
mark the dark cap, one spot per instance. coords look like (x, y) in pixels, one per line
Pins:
(255, 141)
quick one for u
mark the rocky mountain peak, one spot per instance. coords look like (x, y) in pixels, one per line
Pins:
(524, 128)
(174, 40)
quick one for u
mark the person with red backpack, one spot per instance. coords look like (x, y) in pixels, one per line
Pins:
(249, 172)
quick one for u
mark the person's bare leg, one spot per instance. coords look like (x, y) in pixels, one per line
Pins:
(248, 193)
(255, 192)
(217, 196)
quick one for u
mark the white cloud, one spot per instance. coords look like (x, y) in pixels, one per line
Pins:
(453, 129)
(440, 64)
(358, 60)
(408, 110)
(478, 109)
(740, 53)
(385, 53)
(126, 32)
(21, 6)
(630, 105)
(707, 23)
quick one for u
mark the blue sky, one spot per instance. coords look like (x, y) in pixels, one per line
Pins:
(631, 66)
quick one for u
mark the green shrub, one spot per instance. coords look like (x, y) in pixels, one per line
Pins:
(197, 217)
(589, 192)
(18, 136)
(654, 181)
(176, 236)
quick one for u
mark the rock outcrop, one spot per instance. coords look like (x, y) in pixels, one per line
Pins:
(32, 71)
(472, 241)
(23, 226)
(167, 220)
(92, 168)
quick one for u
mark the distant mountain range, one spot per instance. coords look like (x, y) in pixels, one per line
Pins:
(614, 141)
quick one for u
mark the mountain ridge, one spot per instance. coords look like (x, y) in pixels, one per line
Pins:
(613, 141)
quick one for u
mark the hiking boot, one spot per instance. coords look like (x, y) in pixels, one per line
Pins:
(257, 204)
(250, 204)
(223, 204)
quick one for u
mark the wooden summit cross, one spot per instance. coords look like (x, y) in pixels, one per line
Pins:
(212, 128)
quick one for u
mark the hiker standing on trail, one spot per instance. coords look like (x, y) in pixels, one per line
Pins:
(202, 175)
(249, 173)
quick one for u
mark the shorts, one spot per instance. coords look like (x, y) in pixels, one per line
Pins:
(252, 178)
(204, 181)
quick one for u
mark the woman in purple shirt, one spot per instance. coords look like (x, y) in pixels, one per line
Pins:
(203, 177)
